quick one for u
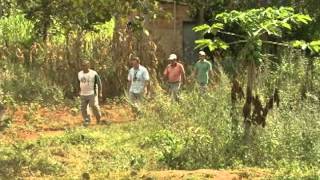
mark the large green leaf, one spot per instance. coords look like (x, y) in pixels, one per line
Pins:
(204, 27)
(315, 46)
(212, 45)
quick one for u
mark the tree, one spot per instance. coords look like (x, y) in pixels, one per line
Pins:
(130, 38)
(255, 26)
(71, 14)
(6, 6)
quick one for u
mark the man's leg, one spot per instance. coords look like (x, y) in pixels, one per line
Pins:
(203, 89)
(94, 104)
(84, 112)
(171, 93)
(136, 100)
(176, 88)
(132, 100)
(139, 100)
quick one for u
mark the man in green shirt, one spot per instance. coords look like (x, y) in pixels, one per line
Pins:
(201, 72)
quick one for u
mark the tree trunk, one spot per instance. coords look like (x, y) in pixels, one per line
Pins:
(249, 97)
(251, 78)
(121, 49)
(201, 15)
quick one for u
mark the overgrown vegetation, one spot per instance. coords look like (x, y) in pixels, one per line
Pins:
(196, 133)
(41, 47)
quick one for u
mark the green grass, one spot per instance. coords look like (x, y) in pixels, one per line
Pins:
(103, 151)
(197, 133)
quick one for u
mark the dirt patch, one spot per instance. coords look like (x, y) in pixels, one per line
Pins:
(31, 124)
(205, 174)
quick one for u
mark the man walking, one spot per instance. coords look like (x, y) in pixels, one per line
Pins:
(201, 71)
(89, 82)
(174, 74)
(138, 82)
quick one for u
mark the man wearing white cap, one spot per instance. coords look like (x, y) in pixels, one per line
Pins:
(174, 74)
(201, 71)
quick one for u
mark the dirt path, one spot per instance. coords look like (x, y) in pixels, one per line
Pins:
(31, 124)
(248, 173)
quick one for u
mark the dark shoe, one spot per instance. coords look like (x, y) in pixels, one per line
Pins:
(86, 124)
(105, 122)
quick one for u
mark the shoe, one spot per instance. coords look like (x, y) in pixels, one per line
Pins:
(105, 122)
(86, 122)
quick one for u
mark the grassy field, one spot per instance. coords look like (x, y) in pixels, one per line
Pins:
(193, 139)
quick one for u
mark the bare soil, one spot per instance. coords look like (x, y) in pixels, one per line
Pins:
(30, 125)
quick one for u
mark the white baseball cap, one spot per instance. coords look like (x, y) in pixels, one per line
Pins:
(172, 57)
(202, 53)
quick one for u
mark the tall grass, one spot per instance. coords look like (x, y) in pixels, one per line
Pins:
(58, 60)
(200, 132)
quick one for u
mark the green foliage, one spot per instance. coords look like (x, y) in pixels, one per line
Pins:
(79, 138)
(15, 29)
(19, 156)
(254, 24)
(27, 87)
(313, 46)
(169, 145)
(46, 166)
(295, 170)
(14, 159)
(212, 45)
(200, 133)
(5, 122)
(186, 150)
(197, 133)
(78, 14)
(99, 152)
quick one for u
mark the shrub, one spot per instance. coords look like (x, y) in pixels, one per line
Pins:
(199, 132)
(28, 87)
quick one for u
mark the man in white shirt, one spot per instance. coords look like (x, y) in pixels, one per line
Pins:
(138, 81)
(89, 81)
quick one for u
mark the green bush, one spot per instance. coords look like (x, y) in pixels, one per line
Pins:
(200, 132)
(20, 159)
(186, 150)
(76, 137)
(29, 87)
(46, 166)
(13, 160)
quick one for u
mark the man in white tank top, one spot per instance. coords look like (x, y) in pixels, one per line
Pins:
(89, 82)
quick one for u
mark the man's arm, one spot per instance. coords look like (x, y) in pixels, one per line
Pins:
(183, 75)
(98, 82)
(147, 86)
(129, 80)
(78, 88)
(194, 72)
(211, 72)
(165, 74)
(128, 84)
(147, 81)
